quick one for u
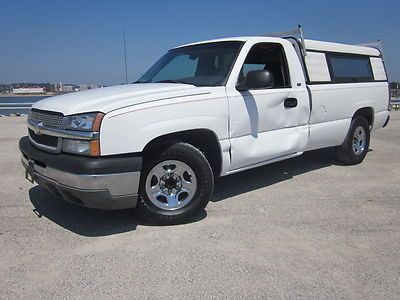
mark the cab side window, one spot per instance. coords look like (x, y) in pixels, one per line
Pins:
(267, 56)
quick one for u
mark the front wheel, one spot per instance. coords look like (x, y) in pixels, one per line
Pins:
(175, 185)
(355, 146)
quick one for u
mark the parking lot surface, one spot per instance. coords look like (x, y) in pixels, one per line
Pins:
(302, 228)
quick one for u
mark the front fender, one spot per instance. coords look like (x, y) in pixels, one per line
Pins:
(127, 131)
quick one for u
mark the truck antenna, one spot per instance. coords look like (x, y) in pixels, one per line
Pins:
(126, 67)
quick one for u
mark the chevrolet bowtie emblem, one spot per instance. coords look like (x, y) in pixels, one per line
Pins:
(37, 129)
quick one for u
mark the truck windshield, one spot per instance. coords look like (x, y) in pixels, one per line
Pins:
(200, 65)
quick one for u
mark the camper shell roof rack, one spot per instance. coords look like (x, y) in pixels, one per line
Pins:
(377, 45)
(299, 34)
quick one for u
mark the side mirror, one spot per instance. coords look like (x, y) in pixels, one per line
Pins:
(258, 79)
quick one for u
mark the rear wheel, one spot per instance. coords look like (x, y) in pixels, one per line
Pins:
(355, 146)
(175, 185)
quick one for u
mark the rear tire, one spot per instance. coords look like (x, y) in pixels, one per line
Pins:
(355, 146)
(175, 185)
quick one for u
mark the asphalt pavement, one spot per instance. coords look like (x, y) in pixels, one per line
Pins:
(302, 228)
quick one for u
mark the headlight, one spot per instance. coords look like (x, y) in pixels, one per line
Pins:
(76, 146)
(84, 122)
(90, 148)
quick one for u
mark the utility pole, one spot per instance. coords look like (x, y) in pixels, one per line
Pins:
(126, 67)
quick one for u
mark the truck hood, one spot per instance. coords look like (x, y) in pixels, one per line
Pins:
(115, 97)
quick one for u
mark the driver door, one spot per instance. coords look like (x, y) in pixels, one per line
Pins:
(267, 123)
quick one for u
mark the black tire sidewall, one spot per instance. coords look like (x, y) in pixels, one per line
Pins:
(357, 158)
(191, 156)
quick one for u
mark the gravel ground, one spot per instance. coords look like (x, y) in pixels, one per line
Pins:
(302, 228)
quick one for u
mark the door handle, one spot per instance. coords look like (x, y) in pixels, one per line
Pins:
(290, 102)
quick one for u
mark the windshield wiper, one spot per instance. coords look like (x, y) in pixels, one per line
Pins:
(141, 81)
(173, 81)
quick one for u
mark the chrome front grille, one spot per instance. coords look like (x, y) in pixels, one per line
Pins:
(39, 120)
(49, 119)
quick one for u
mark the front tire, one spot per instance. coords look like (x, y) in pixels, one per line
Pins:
(175, 185)
(355, 146)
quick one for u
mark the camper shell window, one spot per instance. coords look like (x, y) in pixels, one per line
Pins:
(347, 68)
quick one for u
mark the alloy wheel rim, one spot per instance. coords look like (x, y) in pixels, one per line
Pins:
(359, 140)
(171, 185)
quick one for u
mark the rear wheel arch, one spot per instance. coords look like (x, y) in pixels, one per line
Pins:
(367, 113)
(203, 139)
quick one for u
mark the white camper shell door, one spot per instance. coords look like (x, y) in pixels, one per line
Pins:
(261, 128)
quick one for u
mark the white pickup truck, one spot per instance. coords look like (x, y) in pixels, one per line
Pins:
(204, 110)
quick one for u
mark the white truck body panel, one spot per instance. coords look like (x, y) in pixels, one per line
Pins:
(112, 98)
(206, 108)
(335, 104)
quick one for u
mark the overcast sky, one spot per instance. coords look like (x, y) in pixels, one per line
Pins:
(81, 41)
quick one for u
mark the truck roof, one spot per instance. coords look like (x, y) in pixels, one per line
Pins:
(310, 45)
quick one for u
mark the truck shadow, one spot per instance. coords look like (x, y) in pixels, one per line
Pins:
(86, 221)
(81, 220)
(253, 179)
(92, 222)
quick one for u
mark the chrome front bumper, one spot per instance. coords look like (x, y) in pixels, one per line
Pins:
(116, 190)
(105, 191)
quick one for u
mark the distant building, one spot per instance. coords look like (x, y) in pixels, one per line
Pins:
(30, 90)
(83, 87)
(67, 88)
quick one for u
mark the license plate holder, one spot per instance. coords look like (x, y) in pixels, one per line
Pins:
(30, 171)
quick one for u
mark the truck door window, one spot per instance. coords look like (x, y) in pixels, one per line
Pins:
(267, 56)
